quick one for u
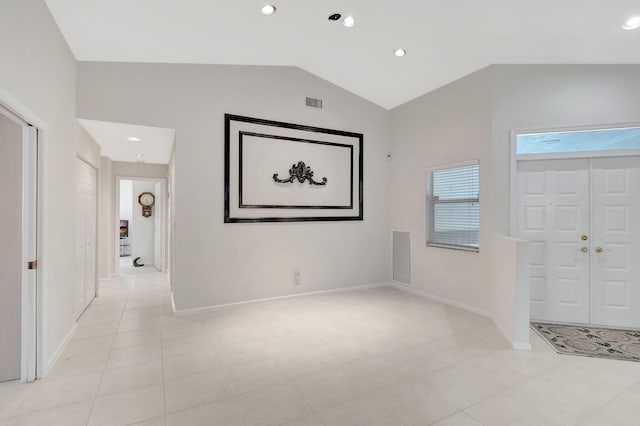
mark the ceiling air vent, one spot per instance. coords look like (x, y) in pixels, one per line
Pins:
(314, 103)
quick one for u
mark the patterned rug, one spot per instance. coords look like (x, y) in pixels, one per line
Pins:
(591, 341)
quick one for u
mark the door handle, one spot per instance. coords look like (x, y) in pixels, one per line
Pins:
(584, 249)
(599, 249)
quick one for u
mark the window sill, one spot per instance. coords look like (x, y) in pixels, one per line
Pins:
(457, 248)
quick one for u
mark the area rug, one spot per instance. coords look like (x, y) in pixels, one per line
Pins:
(591, 341)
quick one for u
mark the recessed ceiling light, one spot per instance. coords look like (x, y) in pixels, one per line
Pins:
(133, 139)
(139, 155)
(349, 21)
(399, 52)
(268, 9)
(632, 23)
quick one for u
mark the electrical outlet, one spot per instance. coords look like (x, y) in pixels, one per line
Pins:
(296, 276)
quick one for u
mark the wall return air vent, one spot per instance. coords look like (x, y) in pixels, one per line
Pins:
(314, 103)
(402, 257)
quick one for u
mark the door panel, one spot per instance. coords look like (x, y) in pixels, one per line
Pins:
(553, 214)
(85, 236)
(615, 273)
(91, 214)
(10, 249)
(157, 227)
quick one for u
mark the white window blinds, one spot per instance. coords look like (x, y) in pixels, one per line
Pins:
(455, 209)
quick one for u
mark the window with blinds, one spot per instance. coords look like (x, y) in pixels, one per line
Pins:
(455, 207)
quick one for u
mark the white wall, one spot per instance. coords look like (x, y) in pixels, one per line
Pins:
(38, 77)
(126, 203)
(87, 148)
(142, 170)
(450, 125)
(142, 234)
(216, 263)
(510, 280)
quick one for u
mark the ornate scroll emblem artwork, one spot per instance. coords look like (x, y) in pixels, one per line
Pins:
(301, 172)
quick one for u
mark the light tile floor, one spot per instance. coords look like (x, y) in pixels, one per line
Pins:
(374, 357)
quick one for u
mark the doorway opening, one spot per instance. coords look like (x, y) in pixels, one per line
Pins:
(19, 255)
(576, 198)
(141, 234)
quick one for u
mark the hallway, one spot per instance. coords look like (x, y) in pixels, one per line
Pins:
(334, 359)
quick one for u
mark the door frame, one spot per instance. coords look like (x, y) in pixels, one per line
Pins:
(33, 362)
(514, 158)
(164, 249)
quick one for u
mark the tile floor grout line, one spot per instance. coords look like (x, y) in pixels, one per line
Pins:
(609, 401)
(455, 414)
(164, 388)
(308, 404)
(110, 352)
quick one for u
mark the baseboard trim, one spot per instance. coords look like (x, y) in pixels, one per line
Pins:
(205, 309)
(56, 355)
(109, 277)
(439, 299)
(515, 345)
(521, 346)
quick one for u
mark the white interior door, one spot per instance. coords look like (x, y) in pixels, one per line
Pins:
(553, 214)
(85, 234)
(91, 236)
(615, 248)
(157, 227)
(11, 267)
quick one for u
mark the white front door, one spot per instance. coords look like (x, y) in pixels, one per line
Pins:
(615, 242)
(553, 214)
(582, 218)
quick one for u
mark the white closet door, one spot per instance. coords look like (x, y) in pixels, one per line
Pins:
(78, 294)
(615, 248)
(85, 236)
(91, 235)
(553, 214)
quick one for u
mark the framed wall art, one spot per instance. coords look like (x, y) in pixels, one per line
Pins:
(283, 172)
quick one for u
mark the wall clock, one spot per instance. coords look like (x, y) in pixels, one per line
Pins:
(147, 200)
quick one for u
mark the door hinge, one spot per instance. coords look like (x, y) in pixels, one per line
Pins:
(32, 264)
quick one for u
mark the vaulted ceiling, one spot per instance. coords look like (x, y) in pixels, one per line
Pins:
(444, 40)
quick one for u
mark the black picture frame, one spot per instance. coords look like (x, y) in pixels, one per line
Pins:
(354, 198)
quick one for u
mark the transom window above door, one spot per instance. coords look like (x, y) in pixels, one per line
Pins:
(612, 139)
